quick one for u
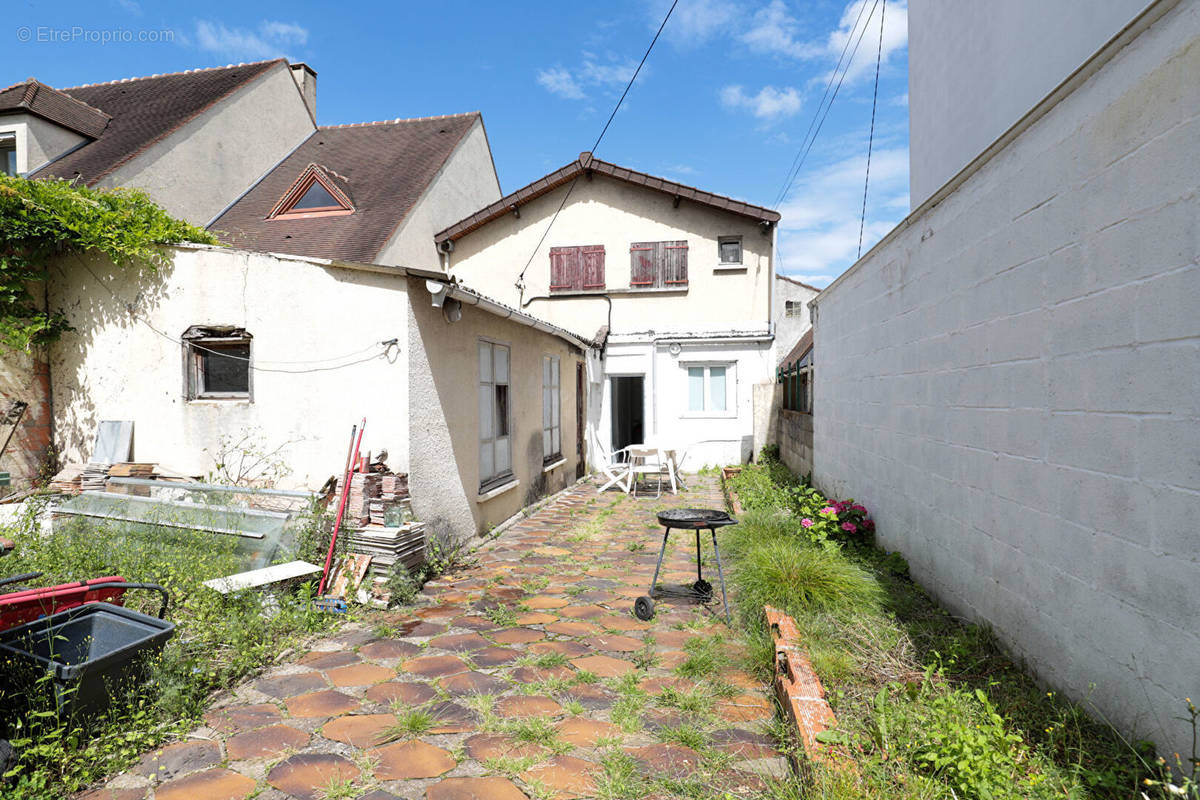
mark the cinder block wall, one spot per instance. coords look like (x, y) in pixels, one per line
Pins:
(796, 441)
(1011, 383)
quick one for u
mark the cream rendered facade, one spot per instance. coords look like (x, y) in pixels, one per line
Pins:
(659, 337)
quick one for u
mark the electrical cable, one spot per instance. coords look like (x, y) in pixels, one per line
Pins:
(520, 284)
(862, 224)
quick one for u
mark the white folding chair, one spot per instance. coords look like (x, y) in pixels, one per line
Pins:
(614, 468)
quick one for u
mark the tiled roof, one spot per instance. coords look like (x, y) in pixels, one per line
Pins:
(790, 279)
(37, 98)
(144, 111)
(384, 167)
(802, 347)
(586, 163)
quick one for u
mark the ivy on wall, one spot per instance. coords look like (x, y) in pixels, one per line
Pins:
(42, 219)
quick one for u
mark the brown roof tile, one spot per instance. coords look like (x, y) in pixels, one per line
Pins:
(802, 347)
(384, 167)
(37, 98)
(586, 163)
(144, 111)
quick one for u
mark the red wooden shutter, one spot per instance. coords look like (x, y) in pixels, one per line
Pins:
(593, 266)
(565, 272)
(675, 263)
(643, 265)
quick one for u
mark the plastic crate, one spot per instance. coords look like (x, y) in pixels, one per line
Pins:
(93, 654)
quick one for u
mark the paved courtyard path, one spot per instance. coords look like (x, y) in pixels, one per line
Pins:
(525, 675)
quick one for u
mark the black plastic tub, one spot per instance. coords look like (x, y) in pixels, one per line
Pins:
(85, 657)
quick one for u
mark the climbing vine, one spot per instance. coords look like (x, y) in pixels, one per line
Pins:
(42, 219)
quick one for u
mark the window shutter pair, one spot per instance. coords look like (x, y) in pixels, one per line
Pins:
(577, 268)
(658, 264)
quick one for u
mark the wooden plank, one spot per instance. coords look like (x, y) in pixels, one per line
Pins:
(257, 578)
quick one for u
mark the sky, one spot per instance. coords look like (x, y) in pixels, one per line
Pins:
(723, 103)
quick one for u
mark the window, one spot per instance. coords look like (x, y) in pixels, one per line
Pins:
(793, 308)
(708, 388)
(216, 362)
(551, 410)
(729, 250)
(658, 265)
(313, 194)
(797, 381)
(8, 154)
(495, 440)
(577, 268)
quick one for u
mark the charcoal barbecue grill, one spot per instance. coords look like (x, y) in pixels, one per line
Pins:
(687, 519)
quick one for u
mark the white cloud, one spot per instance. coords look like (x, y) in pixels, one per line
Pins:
(693, 22)
(131, 6)
(769, 104)
(271, 39)
(557, 80)
(819, 229)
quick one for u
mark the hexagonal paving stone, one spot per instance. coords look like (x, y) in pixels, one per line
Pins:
(467, 683)
(328, 659)
(485, 746)
(410, 694)
(434, 666)
(592, 696)
(744, 743)
(360, 675)
(539, 674)
(624, 623)
(109, 793)
(232, 719)
(495, 656)
(543, 601)
(583, 612)
(474, 622)
(283, 686)
(213, 784)
(583, 732)
(359, 730)
(266, 742)
(178, 759)
(535, 618)
(490, 788)
(572, 628)
(616, 643)
(404, 761)
(387, 649)
(306, 775)
(604, 666)
(459, 642)
(745, 708)
(671, 659)
(452, 718)
(565, 774)
(327, 703)
(518, 635)
(527, 706)
(658, 683)
(570, 649)
(673, 760)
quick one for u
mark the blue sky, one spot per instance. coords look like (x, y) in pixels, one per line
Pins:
(723, 103)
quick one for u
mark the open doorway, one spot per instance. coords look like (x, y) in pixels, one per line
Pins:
(628, 411)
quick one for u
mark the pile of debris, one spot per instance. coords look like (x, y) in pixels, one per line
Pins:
(93, 476)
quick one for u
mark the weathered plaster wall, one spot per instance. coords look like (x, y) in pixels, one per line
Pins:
(788, 330)
(25, 377)
(38, 141)
(466, 183)
(114, 367)
(1011, 383)
(444, 392)
(211, 160)
(604, 211)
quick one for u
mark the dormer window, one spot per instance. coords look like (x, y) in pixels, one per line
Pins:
(8, 154)
(314, 194)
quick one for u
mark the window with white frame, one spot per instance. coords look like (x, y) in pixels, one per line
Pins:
(551, 410)
(708, 388)
(793, 308)
(216, 362)
(495, 440)
(8, 153)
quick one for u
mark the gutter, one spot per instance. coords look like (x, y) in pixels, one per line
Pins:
(442, 290)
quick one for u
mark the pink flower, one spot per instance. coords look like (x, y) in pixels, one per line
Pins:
(849, 527)
(868, 523)
(859, 509)
(829, 510)
(806, 523)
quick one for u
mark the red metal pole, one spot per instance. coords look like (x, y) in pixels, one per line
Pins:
(337, 524)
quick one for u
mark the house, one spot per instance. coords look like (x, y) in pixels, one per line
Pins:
(789, 309)
(1009, 378)
(674, 281)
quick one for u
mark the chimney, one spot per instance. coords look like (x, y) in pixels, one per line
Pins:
(306, 79)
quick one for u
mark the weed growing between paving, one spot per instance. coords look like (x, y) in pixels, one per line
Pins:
(218, 641)
(929, 706)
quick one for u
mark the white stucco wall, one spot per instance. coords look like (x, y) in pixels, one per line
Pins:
(113, 367)
(466, 183)
(206, 164)
(1010, 382)
(788, 330)
(975, 67)
(38, 141)
(605, 211)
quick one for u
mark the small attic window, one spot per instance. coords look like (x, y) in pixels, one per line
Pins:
(312, 195)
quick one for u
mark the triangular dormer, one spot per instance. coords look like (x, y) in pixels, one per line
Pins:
(315, 193)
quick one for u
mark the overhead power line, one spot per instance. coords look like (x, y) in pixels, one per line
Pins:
(862, 223)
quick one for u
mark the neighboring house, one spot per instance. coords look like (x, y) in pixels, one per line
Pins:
(791, 315)
(477, 402)
(672, 281)
(1010, 379)
(193, 140)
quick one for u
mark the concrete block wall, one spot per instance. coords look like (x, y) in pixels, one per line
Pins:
(796, 441)
(1011, 383)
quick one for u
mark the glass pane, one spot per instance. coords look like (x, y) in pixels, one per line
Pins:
(695, 388)
(224, 368)
(547, 407)
(554, 410)
(557, 443)
(485, 362)
(8, 160)
(503, 462)
(546, 371)
(317, 196)
(547, 442)
(501, 364)
(501, 409)
(731, 252)
(487, 414)
(554, 372)
(487, 467)
(716, 388)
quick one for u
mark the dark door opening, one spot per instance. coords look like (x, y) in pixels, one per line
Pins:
(628, 411)
(580, 396)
